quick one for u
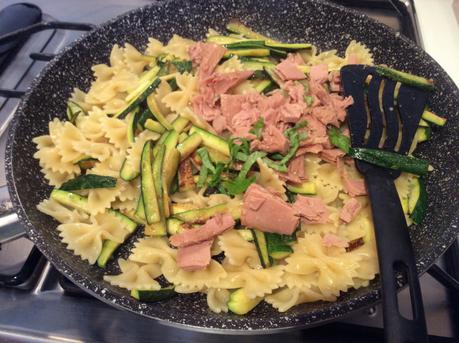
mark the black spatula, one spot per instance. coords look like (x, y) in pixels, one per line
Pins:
(385, 117)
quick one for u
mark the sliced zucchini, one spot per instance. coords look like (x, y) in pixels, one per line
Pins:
(246, 234)
(217, 156)
(272, 75)
(223, 39)
(174, 226)
(159, 228)
(183, 207)
(179, 124)
(246, 44)
(189, 145)
(277, 248)
(433, 118)
(212, 141)
(307, 187)
(266, 86)
(144, 81)
(169, 168)
(160, 143)
(247, 52)
(89, 181)
(108, 248)
(154, 126)
(139, 99)
(127, 172)
(417, 201)
(243, 30)
(185, 176)
(182, 137)
(140, 210)
(423, 134)
(70, 199)
(146, 114)
(153, 295)
(423, 123)
(406, 78)
(151, 102)
(253, 64)
(202, 214)
(240, 303)
(262, 248)
(86, 162)
(132, 124)
(173, 84)
(289, 46)
(148, 186)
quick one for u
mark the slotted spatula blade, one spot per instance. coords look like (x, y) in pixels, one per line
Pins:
(386, 114)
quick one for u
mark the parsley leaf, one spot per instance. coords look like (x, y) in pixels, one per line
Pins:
(182, 66)
(258, 127)
(206, 162)
(338, 139)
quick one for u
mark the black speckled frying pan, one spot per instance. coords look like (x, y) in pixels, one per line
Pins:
(328, 26)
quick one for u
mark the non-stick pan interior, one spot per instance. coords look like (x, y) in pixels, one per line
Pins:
(328, 27)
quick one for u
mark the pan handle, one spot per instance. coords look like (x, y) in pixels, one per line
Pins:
(10, 228)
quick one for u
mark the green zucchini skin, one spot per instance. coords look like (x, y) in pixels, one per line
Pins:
(289, 46)
(212, 141)
(433, 118)
(202, 214)
(262, 248)
(159, 226)
(266, 86)
(149, 193)
(154, 126)
(73, 111)
(108, 249)
(406, 78)
(89, 181)
(239, 303)
(418, 204)
(391, 160)
(277, 247)
(189, 145)
(132, 124)
(137, 101)
(153, 295)
(180, 124)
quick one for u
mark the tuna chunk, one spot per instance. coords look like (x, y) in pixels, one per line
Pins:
(273, 140)
(221, 83)
(335, 81)
(331, 240)
(204, 104)
(353, 187)
(266, 212)
(287, 70)
(296, 168)
(194, 257)
(231, 104)
(331, 155)
(213, 227)
(206, 56)
(317, 132)
(319, 73)
(350, 209)
(312, 149)
(241, 123)
(312, 210)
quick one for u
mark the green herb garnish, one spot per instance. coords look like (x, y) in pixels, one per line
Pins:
(258, 127)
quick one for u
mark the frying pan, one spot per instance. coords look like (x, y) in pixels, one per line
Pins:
(325, 25)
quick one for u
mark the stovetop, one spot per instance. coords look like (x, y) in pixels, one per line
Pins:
(37, 304)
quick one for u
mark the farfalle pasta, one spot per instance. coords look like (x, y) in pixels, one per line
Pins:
(217, 155)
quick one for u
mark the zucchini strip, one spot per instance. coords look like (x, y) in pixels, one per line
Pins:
(89, 181)
(148, 186)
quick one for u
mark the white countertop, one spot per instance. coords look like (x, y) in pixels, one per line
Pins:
(439, 26)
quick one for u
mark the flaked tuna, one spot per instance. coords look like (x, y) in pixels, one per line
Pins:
(206, 56)
(331, 155)
(318, 73)
(330, 240)
(311, 210)
(267, 212)
(287, 70)
(273, 140)
(353, 187)
(194, 257)
(213, 227)
(350, 209)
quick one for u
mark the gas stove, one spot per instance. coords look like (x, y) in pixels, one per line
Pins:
(37, 304)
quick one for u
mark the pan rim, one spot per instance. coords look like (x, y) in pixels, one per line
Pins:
(347, 306)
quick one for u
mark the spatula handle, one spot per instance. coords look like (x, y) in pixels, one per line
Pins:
(395, 254)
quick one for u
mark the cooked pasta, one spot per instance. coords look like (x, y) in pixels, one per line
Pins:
(148, 125)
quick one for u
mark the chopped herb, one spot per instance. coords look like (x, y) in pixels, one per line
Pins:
(276, 156)
(235, 148)
(275, 165)
(249, 162)
(338, 139)
(183, 66)
(258, 127)
(206, 162)
(238, 186)
(216, 178)
(309, 100)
